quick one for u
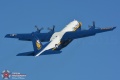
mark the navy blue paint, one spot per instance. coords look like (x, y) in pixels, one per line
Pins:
(67, 38)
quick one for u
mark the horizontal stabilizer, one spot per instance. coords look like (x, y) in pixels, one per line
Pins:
(48, 52)
(31, 53)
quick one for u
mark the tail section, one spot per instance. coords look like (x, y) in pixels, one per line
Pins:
(39, 48)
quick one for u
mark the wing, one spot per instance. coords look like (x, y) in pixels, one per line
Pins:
(85, 33)
(25, 37)
(43, 37)
(73, 35)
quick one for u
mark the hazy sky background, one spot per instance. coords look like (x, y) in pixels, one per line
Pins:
(91, 58)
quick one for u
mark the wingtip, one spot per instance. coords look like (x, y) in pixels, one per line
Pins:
(114, 27)
(10, 35)
(7, 35)
(35, 56)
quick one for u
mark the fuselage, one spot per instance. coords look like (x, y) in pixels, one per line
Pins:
(55, 40)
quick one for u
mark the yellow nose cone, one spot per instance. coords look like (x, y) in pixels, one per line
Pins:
(80, 24)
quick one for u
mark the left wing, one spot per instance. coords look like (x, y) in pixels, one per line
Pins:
(43, 37)
(25, 37)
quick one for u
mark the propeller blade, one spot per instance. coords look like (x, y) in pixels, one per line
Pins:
(93, 26)
(94, 23)
(52, 29)
(39, 29)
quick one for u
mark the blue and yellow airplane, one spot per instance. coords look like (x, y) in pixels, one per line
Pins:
(56, 40)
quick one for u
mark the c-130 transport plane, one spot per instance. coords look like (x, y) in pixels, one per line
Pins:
(56, 40)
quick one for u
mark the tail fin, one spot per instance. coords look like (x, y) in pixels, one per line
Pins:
(37, 45)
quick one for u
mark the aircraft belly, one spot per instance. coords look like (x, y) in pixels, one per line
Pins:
(63, 44)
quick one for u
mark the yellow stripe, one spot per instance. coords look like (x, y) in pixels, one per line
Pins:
(79, 25)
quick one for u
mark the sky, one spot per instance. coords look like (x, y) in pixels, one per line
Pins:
(91, 58)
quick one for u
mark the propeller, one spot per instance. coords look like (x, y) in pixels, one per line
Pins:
(93, 26)
(93, 23)
(52, 29)
(38, 29)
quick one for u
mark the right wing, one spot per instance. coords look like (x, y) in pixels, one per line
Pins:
(76, 34)
(84, 33)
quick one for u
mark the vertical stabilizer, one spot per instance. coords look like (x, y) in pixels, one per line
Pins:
(37, 45)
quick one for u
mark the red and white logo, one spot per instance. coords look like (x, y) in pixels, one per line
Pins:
(6, 74)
